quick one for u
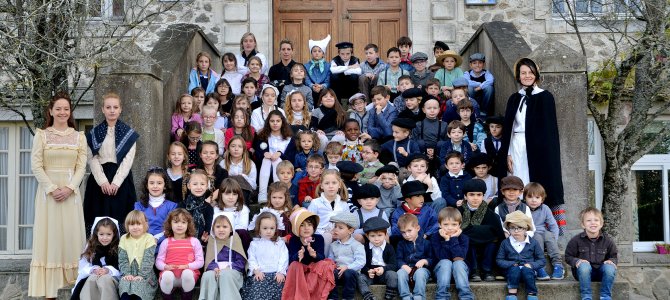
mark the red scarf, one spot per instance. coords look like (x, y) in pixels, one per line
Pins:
(408, 210)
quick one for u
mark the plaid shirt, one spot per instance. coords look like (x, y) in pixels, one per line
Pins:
(369, 170)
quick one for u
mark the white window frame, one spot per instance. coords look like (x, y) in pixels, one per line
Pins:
(596, 163)
(656, 162)
(605, 6)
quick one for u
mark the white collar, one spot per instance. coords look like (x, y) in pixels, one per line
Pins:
(536, 90)
(460, 173)
(514, 241)
(383, 246)
(156, 201)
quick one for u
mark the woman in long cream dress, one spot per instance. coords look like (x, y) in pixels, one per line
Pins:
(59, 164)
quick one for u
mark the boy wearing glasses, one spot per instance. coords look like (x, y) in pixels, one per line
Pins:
(512, 187)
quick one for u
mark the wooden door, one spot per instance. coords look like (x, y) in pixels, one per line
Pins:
(359, 21)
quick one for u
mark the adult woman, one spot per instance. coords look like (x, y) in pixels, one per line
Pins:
(530, 137)
(248, 50)
(110, 190)
(59, 165)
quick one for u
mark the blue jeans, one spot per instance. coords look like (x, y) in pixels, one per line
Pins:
(483, 98)
(348, 282)
(488, 254)
(438, 204)
(421, 276)
(516, 274)
(443, 271)
(585, 274)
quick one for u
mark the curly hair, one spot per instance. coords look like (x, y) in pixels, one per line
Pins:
(179, 214)
(93, 242)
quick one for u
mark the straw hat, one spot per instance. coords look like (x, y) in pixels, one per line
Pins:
(520, 219)
(449, 53)
(300, 215)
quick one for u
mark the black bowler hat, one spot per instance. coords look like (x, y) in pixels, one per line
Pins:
(414, 156)
(404, 123)
(344, 45)
(414, 188)
(412, 93)
(387, 169)
(350, 167)
(367, 191)
(442, 45)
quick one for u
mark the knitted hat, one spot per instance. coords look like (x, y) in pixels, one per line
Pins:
(300, 215)
(323, 44)
(347, 218)
(449, 53)
(511, 182)
(519, 219)
(474, 185)
(374, 224)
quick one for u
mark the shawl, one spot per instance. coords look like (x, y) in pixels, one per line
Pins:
(124, 138)
(102, 257)
(247, 57)
(318, 63)
(194, 205)
(135, 247)
(470, 218)
(328, 122)
(216, 245)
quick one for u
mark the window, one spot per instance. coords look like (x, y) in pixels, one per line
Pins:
(586, 8)
(106, 9)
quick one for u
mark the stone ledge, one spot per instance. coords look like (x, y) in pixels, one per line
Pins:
(14, 265)
(651, 259)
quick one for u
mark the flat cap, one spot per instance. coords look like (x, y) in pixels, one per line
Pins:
(477, 56)
(347, 218)
(460, 82)
(418, 56)
(511, 182)
(375, 224)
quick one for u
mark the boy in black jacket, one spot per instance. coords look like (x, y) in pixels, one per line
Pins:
(380, 260)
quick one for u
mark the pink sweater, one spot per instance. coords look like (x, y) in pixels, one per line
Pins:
(197, 263)
(178, 122)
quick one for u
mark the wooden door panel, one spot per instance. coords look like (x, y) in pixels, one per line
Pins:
(360, 33)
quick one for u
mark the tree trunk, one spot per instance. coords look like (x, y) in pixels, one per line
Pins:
(615, 188)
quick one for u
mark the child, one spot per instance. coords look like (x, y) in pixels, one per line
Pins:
(198, 95)
(450, 69)
(371, 163)
(357, 104)
(200, 212)
(480, 82)
(420, 74)
(269, 97)
(183, 113)
(136, 259)
(309, 145)
(328, 119)
(99, 274)
(430, 132)
(367, 197)
(202, 75)
(451, 183)
(546, 233)
(255, 65)
(318, 70)
(417, 165)
(600, 265)
(413, 99)
(390, 77)
(241, 127)
(333, 154)
(404, 43)
(209, 130)
(414, 194)
(380, 260)
(401, 145)
(450, 247)
(348, 254)
(414, 256)
(285, 172)
(225, 261)
(225, 98)
(307, 185)
(249, 90)
(491, 147)
(297, 114)
(511, 188)
(455, 131)
(236, 160)
(449, 108)
(479, 166)
(474, 131)
(268, 260)
(381, 115)
(209, 155)
(191, 138)
(482, 226)
(404, 83)
(280, 205)
(231, 199)
(370, 69)
(306, 258)
(520, 255)
(438, 49)
(389, 188)
(243, 102)
(344, 70)
(298, 73)
(153, 203)
(352, 145)
(333, 199)
(177, 163)
(349, 173)
(273, 144)
(231, 73)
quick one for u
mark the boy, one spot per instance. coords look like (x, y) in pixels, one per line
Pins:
(380, 260)
(404, 43)
(414, 194)
(381, 115)
(307, 185)
(417, 165)
(479, 167)
(438, 49)
(370, 69)
(491, 147)
(534, 195)
(414, 257)
(451, 183)
(474, 132)
(367, 199)
(482, 226)
(599, 261)
(249, 88)
(333, 153)
(511, 188)
(347, 253)
(450, 248)
(349, 173)
(344, 70)
(358, 111)
(389, 188)
(404, 83)
(429, 131)
(420, 74)
(285, 173)
(480, 82)
(371, 163)
(455, 131)
(280, 74)
(389, 77)
(401, 145)
(450, 110)
(433, 88)
(412, 98)
(520, 255)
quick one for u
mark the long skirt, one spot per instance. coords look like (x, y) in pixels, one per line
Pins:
(97, 204)
(519, 157)
(266, 289)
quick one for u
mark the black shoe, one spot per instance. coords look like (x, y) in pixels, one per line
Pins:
(369, 296)
(475, 278)
(489, 277)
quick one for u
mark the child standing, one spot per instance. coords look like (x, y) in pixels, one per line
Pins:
(456, 131)
(357, 110)
(450, 69)
(381, 115)
(177, 166)
(180, 256)
(273, 144)
(344, 70)
(421, 73)
(511, 188)
(232, 73)
(370, 69)
(414, 257)
(389, 188)
(451, 183)
(367, 197)
(414, 194)
(492, 144)
(237, 162)
(200, 212)
(153, 203)
(328, 119)
(480, 82)
(520, 255)
(598, 264)
(371, 163)
(241, 127)
(389, 77)
(348, 254)
(307, 185)
(450, 248)
(136, 259)
(380, 260)
(309, 144)
(183, 113)
(318, 70)
(202, 75)
(333, 199)
(401, 145)
(298, 73)
(479, 166)
(98, 276)
(268, 260)
(269, 97)
(546, 233)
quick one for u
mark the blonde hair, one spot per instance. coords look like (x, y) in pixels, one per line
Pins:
(342, 191)
(407, 220)
(246, 162)
(135, 217)
(244, 36)
(177, 108)
(591, 210)
(285, 164)
(449, 213)
(306, 116)
(111, 95)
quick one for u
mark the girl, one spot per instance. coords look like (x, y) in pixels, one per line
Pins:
(153, 203)
(268, 260)
(136, 259)
(209, 130)
(98, 267)
(183, 113)
(318, 69)
(328, 119)
(272, 145)
(353, 144)
(297, 114)
(202, 75)
(236, 160)
(309, 144)
(248, 50)
(269, 97)
(231, 73)
(298, 72)
(225, 97)
(198, 95)
(110, 191)
(200, 212)
(191, 138)
(177, 163)
(450, 62)
(241, 128)
(249, 89)
(225, 261)
(280, 204)
(333, 199)
(255, 65)
(230, 199)
(209, 156)
(220, 121)
(180, 256)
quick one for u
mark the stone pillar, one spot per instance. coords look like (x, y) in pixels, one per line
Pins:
(137, 79)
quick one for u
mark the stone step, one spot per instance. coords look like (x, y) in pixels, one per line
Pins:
(556, 289)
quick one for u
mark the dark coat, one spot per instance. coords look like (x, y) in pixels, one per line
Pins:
(388, 255)
(288, 154)
(542, 142)
(489, 231)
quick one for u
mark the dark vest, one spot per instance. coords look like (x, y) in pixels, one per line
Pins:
(502, 209)
(479, 79)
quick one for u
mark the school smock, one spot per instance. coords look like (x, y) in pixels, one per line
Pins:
(318, 72)
(389, 198)
(428, 132)
(427, 220)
